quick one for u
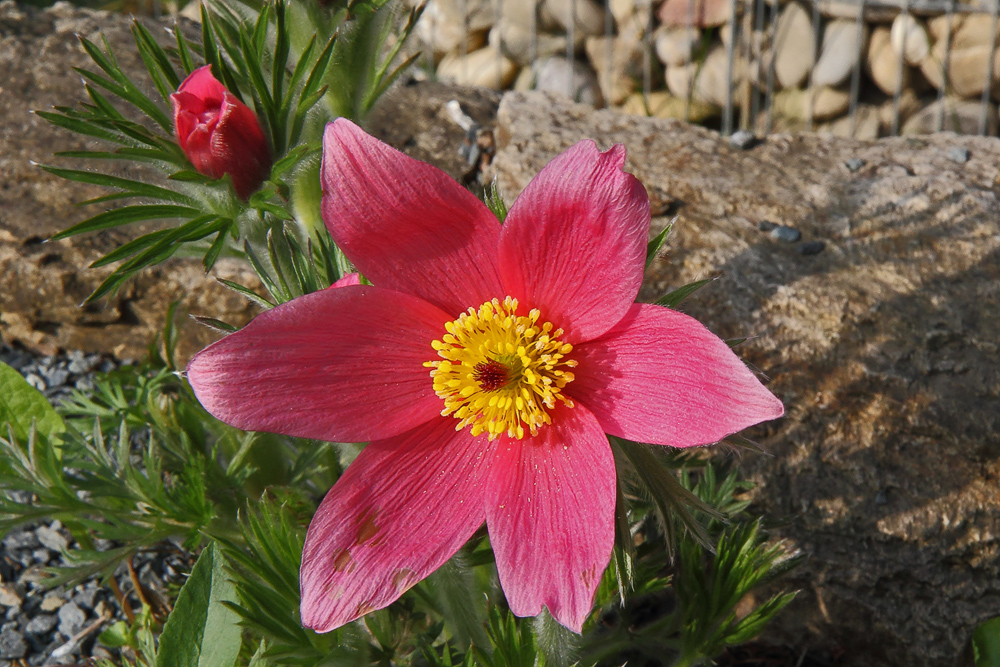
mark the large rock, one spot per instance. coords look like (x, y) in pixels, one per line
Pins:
(453, 25)
(794, 45)
(882, 63)
(883, 348)
(970, 50)
(487, 67)
(700, 13)
(43, 283)
(842, 47)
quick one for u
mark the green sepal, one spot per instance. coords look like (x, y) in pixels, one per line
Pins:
(654, 245)
(674, 298)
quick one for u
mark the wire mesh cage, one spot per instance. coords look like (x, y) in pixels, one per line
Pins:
(860, 68)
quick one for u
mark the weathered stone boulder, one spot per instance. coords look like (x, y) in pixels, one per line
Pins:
(883, 346)
(43, 283)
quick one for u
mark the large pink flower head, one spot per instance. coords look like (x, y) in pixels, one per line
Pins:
(485, 366)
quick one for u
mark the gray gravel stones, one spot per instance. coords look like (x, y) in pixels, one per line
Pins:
(71, 619)
(21, 539)
(12, 644)
(37, 623)
(56, 377)
(42, 624)
(786, 234)
(50, 537)
(959, 154)
(9, 596)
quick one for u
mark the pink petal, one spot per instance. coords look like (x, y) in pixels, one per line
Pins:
(551, 516)
(203, 85)
(349, 279)
(399, 512)
(661, 377)
(574, 243)
(339, 365)
(405, 224)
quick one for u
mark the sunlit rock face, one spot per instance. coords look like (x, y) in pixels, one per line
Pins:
(878, 331)
(43, 284)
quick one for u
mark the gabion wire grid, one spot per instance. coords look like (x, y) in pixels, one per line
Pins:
(753, 44)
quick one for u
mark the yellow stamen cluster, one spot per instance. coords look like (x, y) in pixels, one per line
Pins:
(501, 372)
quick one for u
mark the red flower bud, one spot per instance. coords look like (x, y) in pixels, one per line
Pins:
(220, 134)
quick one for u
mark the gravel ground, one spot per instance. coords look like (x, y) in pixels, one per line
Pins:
(40, 626)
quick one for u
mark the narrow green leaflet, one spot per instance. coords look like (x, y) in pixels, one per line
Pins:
(656, 243)
(123, 216)
(133, 188)
(202, 631)
(20, 404)
(673, 299)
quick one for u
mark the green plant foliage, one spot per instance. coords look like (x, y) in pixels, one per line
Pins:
(710, 585)
(24, 410)
(202, 631)
(512, 640)
(674, 298)
(986, 643)
(135, 640)
(494, 201)
(286, 75)
(656, 243)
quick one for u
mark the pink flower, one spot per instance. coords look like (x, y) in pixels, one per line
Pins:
(219, 134)
(535, 349)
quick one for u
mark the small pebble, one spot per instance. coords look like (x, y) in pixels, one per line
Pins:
(811, 248)
(71, 619)
(9, 597)
(86, 598)
(51, 603)
(12, 644)
(101, 653)
(56, 377)
(42, 624)
(41, 556)
(24, 539)
(786, 234)
(51, 538)
(766, 225)
(742, 139)
(36, 381)
(854, 164)
(959, 154)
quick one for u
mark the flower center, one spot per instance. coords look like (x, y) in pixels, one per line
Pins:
(501, 372)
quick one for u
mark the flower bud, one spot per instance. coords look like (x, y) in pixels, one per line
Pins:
(219, 134)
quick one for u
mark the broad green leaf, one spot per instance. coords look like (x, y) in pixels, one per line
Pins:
(986, 643)
(20, 404)
(202, 631)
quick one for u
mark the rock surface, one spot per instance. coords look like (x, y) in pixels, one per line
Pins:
(883, 346)
(43, 283)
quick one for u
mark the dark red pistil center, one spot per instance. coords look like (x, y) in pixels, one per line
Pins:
(491, 375)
